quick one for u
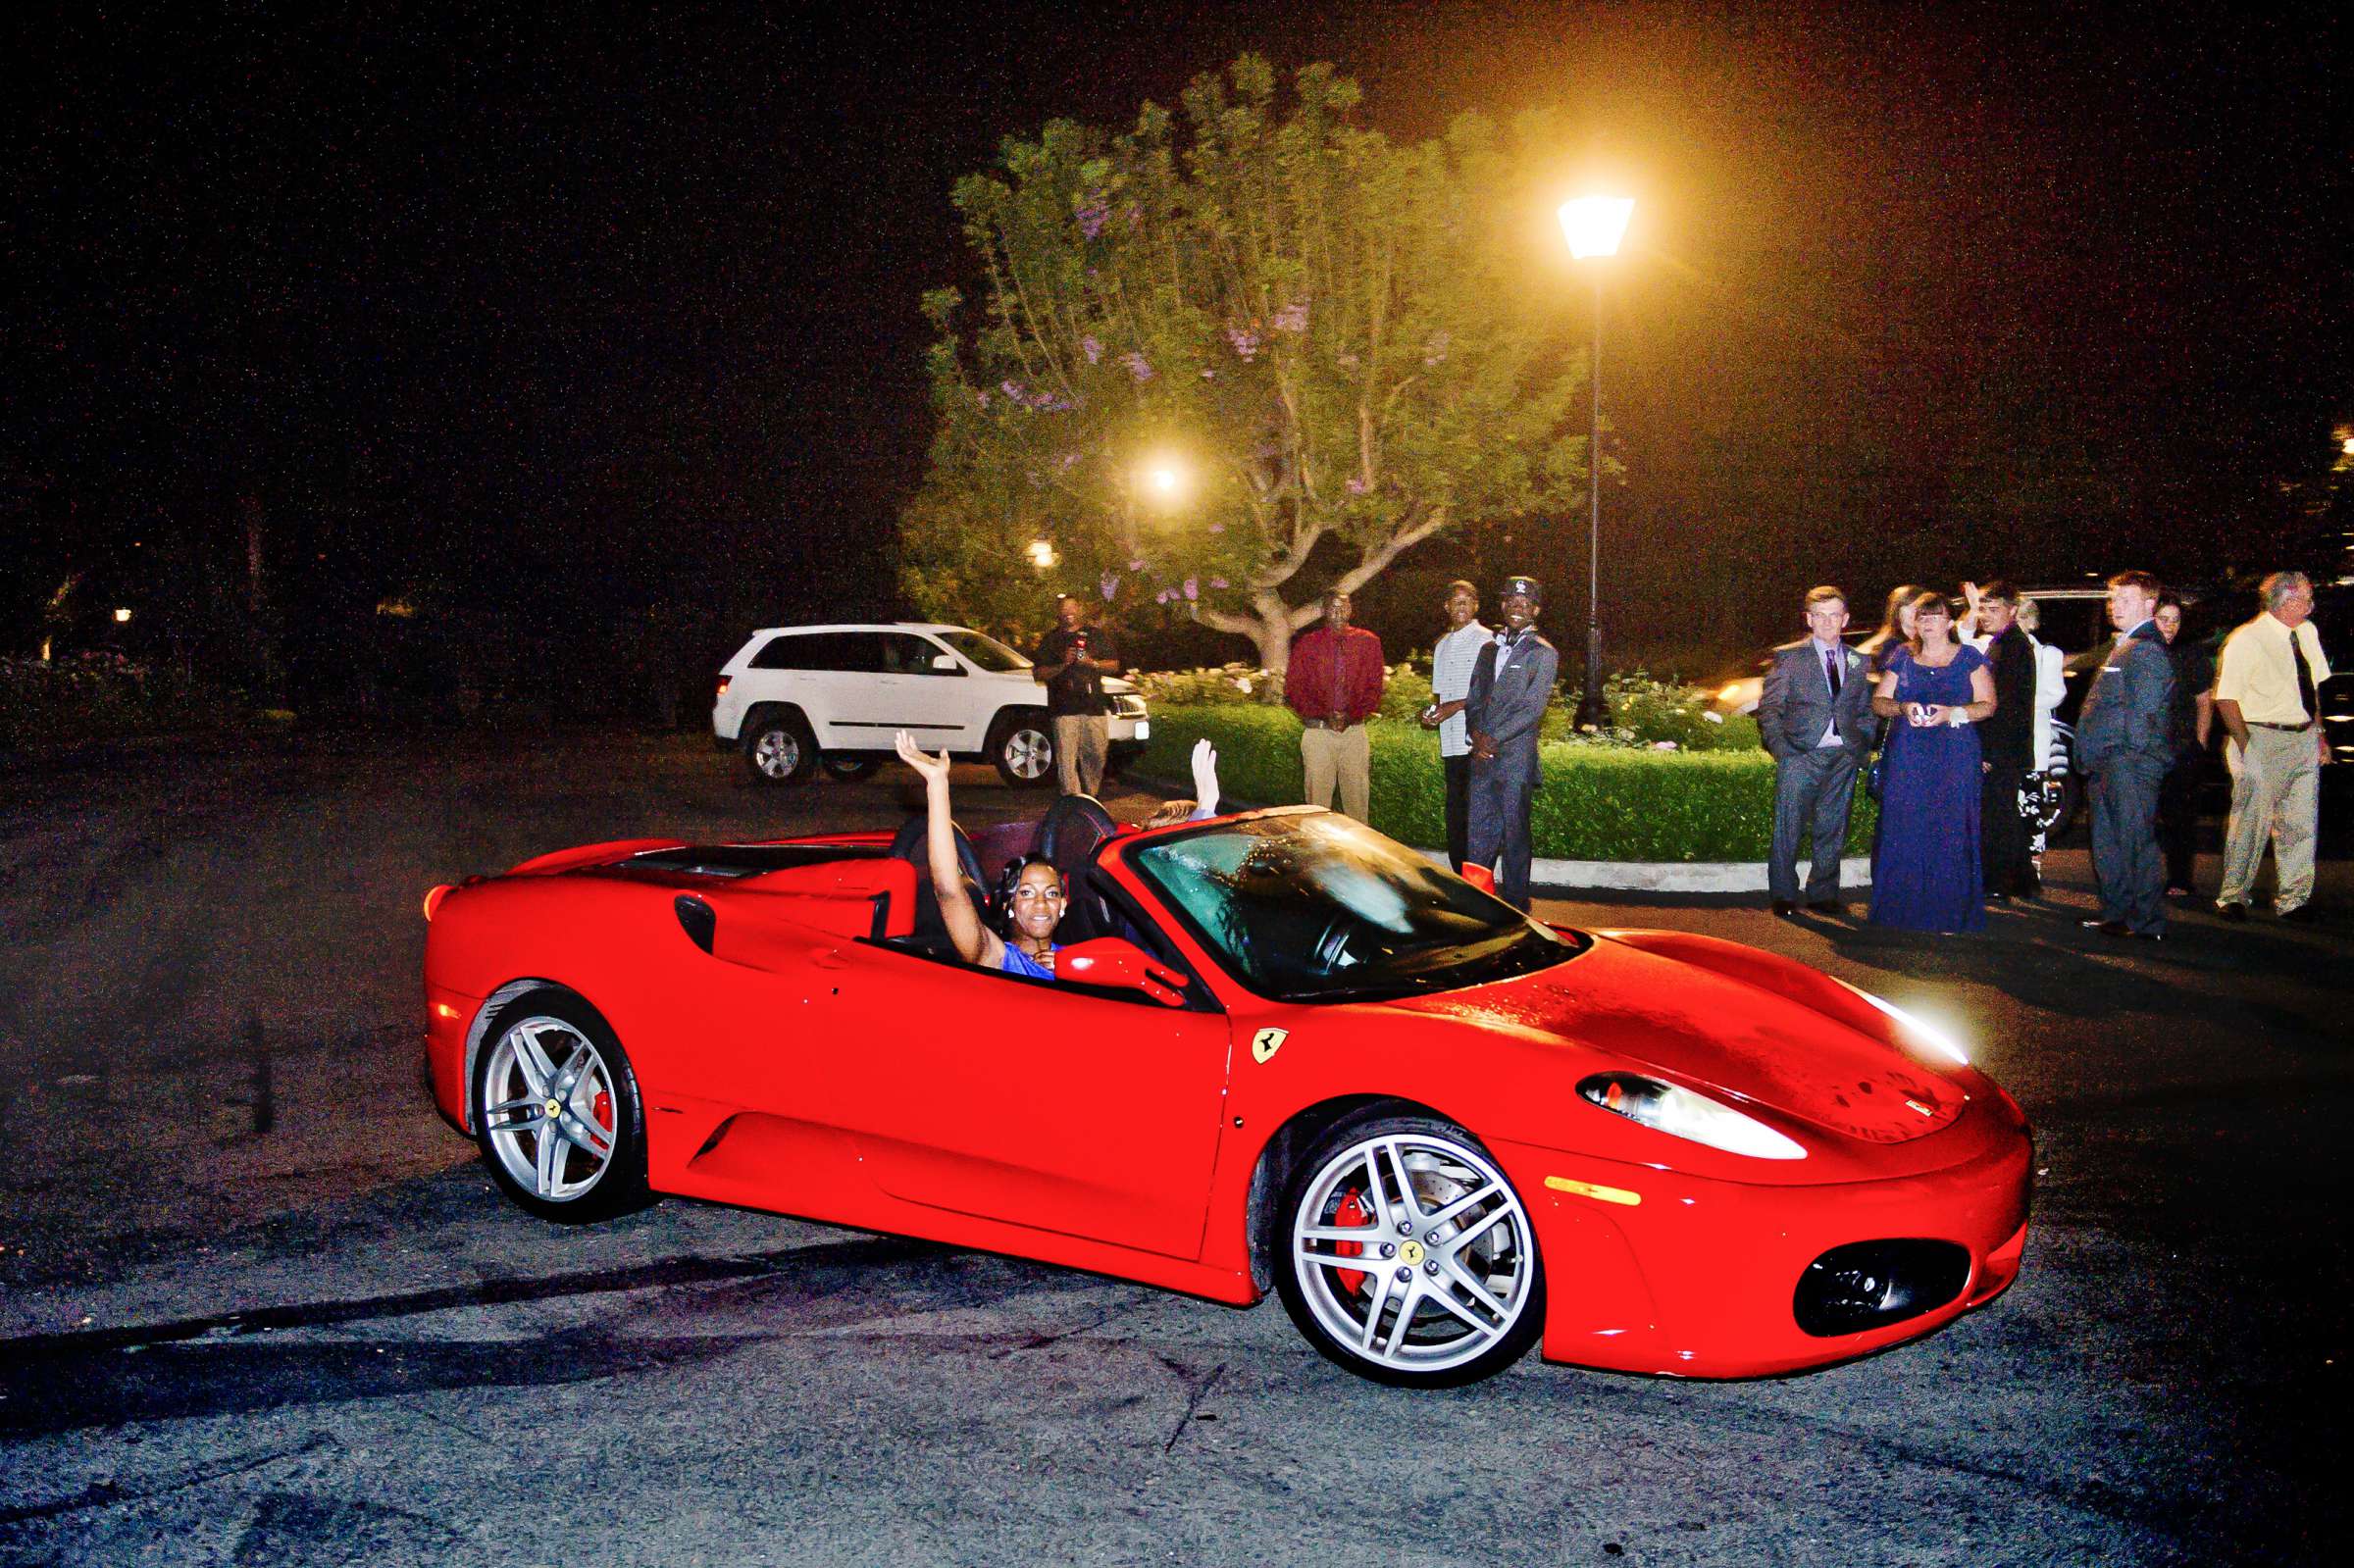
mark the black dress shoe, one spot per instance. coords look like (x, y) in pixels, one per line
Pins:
(1784, 908)
(2232, 911)
(2108, 927)
(2148, 935)
(2302, 915)
(1833, 908)
(1998, 898)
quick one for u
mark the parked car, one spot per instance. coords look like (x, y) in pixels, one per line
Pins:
(796, 698)
(1283, 1055)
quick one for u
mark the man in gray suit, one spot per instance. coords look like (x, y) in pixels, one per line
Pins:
(1814, 716)
(2125, 744)
(1510, 688)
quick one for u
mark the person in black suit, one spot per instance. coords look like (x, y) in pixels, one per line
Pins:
(1814, 716)
(1504, 712)
(2006, 747)
(2125, 744)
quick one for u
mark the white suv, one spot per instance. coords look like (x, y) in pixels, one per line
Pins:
(796, 698)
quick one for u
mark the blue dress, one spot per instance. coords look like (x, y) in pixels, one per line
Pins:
(1927, 875)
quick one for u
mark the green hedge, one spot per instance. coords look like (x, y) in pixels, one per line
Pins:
(1596, 802)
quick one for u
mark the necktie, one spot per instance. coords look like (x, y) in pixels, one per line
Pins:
(2305, 691)
(1831, 670)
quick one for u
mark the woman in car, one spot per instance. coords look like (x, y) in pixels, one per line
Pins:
(1028, 899)
(1936, 687)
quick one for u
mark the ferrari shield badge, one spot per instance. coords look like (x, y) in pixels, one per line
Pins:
(1266, 1042)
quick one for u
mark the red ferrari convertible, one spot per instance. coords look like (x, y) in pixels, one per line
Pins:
(1283, 1051)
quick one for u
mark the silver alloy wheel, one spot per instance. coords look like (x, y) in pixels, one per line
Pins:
(1029, 752)
(548, 1108)
(1413, 1252)
(777, 752)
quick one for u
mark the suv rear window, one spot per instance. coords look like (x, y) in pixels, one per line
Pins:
(859, 651)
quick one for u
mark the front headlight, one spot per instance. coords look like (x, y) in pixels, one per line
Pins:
(1672, 1109)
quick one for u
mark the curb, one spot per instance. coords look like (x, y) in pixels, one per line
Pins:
(1667, 875)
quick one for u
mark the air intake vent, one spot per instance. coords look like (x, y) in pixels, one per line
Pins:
(1870, 1285)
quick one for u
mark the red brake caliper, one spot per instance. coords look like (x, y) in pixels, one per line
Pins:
(1351, 1211)
(601, 1111)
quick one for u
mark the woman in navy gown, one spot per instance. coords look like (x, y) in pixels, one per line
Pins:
(1934, 688)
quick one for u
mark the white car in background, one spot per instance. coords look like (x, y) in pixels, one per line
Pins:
(796, 699)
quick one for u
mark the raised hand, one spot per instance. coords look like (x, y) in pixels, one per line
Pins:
(1205, 776)
(934, 768)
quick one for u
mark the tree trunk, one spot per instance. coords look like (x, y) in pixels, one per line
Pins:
(1273, 637)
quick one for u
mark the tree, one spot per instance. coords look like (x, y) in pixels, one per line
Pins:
(1199, 359)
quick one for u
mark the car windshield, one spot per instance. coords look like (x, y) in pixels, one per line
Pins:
(985, 652)
(1321, 908)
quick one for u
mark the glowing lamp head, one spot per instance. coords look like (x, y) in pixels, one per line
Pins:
(1594, 225)
(121, 614)
(1042, 555)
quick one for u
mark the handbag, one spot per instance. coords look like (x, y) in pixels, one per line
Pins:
(1874, 776)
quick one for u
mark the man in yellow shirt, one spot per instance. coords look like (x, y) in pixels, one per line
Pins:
(2265, 695)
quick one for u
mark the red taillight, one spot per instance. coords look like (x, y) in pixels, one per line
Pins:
(433, 901)
(723, 688)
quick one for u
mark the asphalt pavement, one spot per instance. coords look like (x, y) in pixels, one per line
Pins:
(258, 1304)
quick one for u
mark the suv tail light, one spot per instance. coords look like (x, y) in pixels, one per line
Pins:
(723, 688)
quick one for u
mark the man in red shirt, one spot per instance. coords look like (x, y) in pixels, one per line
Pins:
(1334, 684)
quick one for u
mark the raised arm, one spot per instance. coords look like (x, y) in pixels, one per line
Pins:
(975, 942)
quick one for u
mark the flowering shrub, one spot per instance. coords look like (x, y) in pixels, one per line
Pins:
(1646, 714)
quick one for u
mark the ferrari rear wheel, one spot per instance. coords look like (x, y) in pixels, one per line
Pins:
(1409, 1257)
(558, 1114)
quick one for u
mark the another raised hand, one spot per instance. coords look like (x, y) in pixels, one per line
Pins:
(1206, 777)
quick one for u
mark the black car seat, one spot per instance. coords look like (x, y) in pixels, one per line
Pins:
(1074, 828)
(931, 932)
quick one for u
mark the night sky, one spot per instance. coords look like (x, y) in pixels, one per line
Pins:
(625, 306)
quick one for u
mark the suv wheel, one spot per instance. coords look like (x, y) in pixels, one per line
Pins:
(852, 768)
(1022, 746)
(778, 747)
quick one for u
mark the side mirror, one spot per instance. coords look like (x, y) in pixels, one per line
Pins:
(945, 664)
(1482, 878)
(1118, 962)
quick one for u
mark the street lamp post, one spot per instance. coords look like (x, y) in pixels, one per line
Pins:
(1594, 225)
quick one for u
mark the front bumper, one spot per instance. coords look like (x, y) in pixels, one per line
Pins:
(1660, 1273)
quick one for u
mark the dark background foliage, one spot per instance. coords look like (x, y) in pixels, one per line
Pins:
(570, 317)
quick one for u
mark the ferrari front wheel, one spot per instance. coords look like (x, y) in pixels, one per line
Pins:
(1409, 1259)
(557, 1115)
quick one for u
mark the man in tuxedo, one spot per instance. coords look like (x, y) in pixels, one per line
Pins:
(1815, 717)
(2006, 745)
(2125, 744)
(1510, 686)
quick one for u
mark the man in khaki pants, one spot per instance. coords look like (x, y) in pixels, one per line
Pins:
(2265, 694)
(1334, 684)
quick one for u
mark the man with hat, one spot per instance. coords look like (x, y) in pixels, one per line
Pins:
(1510, 690)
